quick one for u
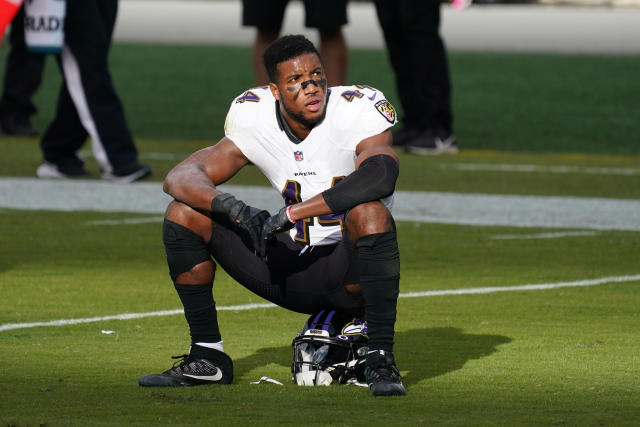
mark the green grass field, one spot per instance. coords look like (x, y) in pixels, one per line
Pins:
(501, 101)
(537, 125)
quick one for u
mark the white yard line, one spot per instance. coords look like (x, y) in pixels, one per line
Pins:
(124, 316)
(534, 287)
(463, 291)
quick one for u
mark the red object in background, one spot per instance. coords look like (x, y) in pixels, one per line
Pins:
(8, 9)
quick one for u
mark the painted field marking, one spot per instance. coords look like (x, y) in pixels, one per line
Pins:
(556, 235)
(161, 156)
(533, 287)
(124, 316)
(126, 221)
(462, 291)
(503, 167)
(147, 155)
(480, 167)
(582, 213)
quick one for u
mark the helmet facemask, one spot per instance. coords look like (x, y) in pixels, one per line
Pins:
(323, 353)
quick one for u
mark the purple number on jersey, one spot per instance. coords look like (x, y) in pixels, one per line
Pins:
(248, 96)
(291, 195)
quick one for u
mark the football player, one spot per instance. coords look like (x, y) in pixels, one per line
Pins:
(333, 244)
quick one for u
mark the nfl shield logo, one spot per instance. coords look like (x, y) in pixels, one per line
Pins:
(298, 156)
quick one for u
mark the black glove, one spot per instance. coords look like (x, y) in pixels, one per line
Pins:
(247, 219)
(276, 224)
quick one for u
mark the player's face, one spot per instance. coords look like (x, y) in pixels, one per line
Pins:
(302, 89)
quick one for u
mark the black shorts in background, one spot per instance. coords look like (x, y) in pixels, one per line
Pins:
(269, 14)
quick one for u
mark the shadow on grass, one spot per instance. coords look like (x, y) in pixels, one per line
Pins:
(420, 353)
(431, 352)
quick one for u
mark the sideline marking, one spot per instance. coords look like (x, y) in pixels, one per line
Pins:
(544, 235)
(162, 156)
(480, 167)
(583, 213)
(149, 155)
(503, 167)
(462, 291)
(126, 221)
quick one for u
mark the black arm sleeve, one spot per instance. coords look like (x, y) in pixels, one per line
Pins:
(374, 179)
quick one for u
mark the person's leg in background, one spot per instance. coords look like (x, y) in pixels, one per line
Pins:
(267, 17)
(22, 78)
(329, 18)
(264, 37)
(333, 49)
(88, 29)
(62, 140)
(432, 90)
(419, 59)
(396, 40)
(433, 86)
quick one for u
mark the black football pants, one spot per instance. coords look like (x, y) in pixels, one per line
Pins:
(305, 281)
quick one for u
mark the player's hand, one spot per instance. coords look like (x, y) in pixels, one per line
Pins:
(276, 224)
(247, 219)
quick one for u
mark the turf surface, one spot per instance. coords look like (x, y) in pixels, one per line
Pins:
(538, 357)
(561, 356)
(515, 102)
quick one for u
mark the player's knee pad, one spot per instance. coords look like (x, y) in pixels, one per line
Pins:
(184, 248)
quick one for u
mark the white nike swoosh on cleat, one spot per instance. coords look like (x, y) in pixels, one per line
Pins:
(216, 377)
(445, 145)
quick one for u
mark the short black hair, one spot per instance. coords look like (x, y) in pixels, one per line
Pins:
(284, 49)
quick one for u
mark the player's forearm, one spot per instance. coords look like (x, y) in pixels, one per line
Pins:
(191, 185)
(315, 206)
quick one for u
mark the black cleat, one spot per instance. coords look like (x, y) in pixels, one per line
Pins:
(48, 170)
(134, 172)
(17, 125)
(405, 134)
(382, 374)
(202, 366)
(431, 142)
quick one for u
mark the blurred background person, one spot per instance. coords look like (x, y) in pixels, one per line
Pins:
(328, 17)
(88, 104)
(22, 78)
(411, 31)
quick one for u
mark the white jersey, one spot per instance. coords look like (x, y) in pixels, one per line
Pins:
(301, 170)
